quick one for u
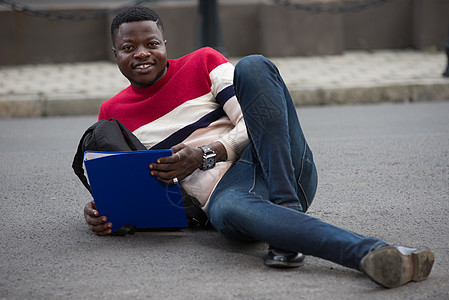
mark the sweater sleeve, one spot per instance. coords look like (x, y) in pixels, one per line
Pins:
(101, 113)
(235, 140)
(222, 88)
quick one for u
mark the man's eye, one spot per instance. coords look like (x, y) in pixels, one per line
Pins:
(127, 48)
(154, 44)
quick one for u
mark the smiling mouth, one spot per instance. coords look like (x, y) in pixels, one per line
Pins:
(143, 66)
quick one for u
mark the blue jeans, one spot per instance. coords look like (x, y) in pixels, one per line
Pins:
(265, 195)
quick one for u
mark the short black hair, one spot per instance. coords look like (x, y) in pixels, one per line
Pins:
(135, 14)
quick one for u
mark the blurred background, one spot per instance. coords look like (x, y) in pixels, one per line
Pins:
(60, 31)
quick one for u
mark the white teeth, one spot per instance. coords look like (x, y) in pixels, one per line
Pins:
(142, 66)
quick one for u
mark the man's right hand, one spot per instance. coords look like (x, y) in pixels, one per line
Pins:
(97, 224)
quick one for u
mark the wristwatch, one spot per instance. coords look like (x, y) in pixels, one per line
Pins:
(209, 158)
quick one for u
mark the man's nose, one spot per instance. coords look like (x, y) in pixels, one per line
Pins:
(142, 52)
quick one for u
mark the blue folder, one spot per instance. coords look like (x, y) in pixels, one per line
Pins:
(126, 193)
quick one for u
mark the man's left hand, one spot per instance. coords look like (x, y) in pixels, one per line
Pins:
(183, 162)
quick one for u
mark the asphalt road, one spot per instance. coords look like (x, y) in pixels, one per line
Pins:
(383, 171)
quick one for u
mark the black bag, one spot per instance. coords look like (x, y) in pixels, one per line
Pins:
(112, 135)
(104, 135)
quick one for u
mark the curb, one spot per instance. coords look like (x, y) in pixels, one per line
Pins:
(72, 104)
(371, 94)
(31, 105)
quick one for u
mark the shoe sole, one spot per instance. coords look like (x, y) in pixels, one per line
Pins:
(390, 268)
(283, 265)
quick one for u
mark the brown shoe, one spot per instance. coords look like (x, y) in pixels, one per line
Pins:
(393, 266)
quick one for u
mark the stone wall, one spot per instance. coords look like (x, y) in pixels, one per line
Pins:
(247, 28)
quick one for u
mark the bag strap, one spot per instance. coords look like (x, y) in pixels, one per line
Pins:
(77, 164)
(130, 139)
(195, 214)
(125, 229)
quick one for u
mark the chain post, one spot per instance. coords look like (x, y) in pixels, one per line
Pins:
(209, 31)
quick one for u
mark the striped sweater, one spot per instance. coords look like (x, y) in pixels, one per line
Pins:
(194, 103)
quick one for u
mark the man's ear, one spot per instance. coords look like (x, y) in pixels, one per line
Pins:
(115, 51)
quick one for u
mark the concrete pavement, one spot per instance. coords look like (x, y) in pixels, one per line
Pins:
(383, 171)
(355, 77)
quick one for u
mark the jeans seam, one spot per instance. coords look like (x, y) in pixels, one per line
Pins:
(254, 184)
(246, 161)
(259, 161)
(266, 177)
(302, 161)
(299, 177)
(292, 205)
(305, 196)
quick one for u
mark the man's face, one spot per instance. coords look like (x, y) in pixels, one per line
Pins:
(140, 51)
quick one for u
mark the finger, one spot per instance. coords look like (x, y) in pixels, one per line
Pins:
(96, 220)
(103, 229)
(177, 148)
(174, 158)
(90, 210)
(164, 177)
(164, 165)
(103, 233)
(160, 175)
(171, 181)
(168, 180)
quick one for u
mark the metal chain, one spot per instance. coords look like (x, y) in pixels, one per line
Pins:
(73, 15)
(332, 8)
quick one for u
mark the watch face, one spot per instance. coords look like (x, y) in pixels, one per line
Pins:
(209, 158)
(210, 162)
